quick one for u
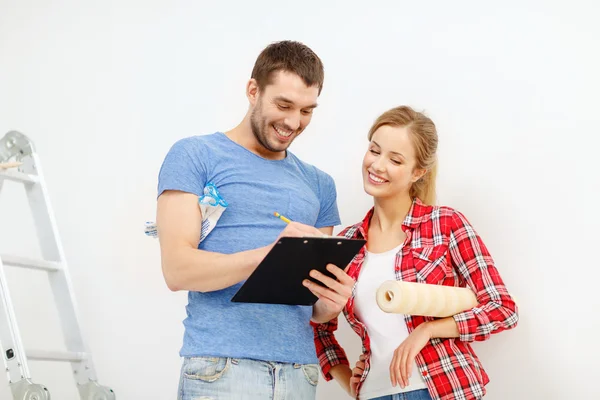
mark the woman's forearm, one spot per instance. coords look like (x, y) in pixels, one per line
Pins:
(342, 374)
(441, 328)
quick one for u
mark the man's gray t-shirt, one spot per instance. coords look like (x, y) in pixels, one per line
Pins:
(254, 189)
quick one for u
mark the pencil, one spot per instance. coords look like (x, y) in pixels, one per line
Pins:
(287, 221)
(281, 217)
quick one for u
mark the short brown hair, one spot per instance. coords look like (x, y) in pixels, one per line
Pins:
(292, 57)
(424, 137)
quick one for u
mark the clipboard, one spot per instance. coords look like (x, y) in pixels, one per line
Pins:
(278, 278)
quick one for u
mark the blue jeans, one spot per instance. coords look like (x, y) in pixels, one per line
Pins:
(421, 394)
(219, 378)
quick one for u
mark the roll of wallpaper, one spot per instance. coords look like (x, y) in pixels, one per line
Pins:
(423, 299)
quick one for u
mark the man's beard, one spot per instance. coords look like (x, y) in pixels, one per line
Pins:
(260, 129)
(260, 134)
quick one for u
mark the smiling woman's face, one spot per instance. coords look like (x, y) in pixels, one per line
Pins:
(389, 163)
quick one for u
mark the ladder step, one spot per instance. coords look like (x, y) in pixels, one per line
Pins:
(23, 262)
(17, 176)
(68, 356)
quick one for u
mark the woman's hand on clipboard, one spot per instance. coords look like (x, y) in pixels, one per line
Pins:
(333, 297)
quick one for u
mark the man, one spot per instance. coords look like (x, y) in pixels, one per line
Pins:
(236, 350)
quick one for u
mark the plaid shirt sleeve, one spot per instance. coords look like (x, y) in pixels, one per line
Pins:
(329, 352)
(496, 310)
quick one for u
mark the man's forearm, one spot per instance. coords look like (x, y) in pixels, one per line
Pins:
(204, 271)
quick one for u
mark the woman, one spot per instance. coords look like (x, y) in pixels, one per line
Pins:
(409, 356)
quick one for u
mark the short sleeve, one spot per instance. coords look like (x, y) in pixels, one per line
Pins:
(184, 168)
(328, 213)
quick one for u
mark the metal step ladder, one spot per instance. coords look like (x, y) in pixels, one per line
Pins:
(19, 162)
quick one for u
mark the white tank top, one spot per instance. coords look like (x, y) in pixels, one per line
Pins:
(386, 331)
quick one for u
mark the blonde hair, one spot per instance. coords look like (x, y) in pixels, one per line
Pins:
(425, 141)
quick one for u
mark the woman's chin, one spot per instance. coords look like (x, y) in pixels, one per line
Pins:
(371, 191)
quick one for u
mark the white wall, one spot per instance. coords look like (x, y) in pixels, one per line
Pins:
(104, 89)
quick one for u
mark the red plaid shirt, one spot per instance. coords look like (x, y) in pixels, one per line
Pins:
(441, 248)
